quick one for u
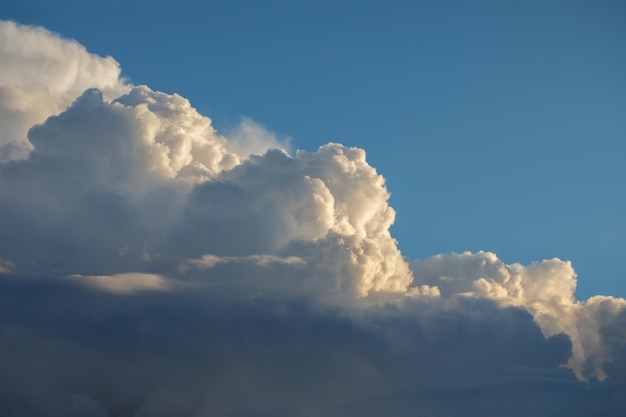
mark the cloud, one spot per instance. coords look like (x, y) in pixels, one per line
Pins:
(153, 266)
(6, 267)
(209, 261)
(545, 289)
(128, 283)
(201, 351)
(41, 74)
(251, 138)
(328, 207)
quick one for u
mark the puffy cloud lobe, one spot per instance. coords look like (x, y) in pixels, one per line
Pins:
(328, 207)
(181, 142)
(122, 171)
(546, 289)
(221, 275)
(119, 171)
(41, 74)
(139, 139)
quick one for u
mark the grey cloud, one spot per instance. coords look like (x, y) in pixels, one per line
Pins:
(6, 267)
(200, 351)
(153, 266)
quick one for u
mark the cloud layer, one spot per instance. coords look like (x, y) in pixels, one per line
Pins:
(151, 266)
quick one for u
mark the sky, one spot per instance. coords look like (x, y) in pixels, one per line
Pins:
(312, 208)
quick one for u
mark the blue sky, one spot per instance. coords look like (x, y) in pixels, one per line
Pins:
(499, 126)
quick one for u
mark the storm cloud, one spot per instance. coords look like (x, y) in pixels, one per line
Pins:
(152, 266)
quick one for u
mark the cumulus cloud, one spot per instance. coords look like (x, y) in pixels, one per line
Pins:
(328, 207)
(152, 266)
(41, 74)
(545, 289)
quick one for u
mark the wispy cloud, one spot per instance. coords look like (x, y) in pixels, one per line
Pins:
(127, 283)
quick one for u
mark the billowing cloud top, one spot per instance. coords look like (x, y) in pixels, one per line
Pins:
(40, 75)
(152, 266)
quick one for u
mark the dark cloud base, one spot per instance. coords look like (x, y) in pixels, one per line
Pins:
(67, 350)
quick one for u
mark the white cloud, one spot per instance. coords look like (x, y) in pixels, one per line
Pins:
(545, 289)
(180, 143)
(329, 207)
(298, 286)
(40, 75)
(251, 138)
